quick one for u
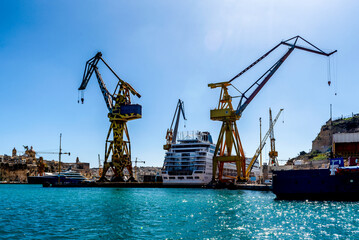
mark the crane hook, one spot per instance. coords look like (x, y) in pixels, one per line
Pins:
(82, 97)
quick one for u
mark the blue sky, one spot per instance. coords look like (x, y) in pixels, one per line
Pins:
(169, 50)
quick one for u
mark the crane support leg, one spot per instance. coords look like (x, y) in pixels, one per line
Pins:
(119, 150)
(228, 138)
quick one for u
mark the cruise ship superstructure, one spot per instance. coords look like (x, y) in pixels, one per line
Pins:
(189, 160)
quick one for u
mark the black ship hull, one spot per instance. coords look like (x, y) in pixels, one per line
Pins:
(316, 184)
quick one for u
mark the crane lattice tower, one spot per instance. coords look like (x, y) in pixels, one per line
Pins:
(121, 110)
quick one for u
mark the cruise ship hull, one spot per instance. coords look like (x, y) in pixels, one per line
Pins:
(184, 182)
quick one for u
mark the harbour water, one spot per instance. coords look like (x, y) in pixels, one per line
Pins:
(33, 212)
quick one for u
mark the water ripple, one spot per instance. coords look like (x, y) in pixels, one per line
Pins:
(33, 212)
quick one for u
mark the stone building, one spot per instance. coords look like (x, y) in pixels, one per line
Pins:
(346, 145)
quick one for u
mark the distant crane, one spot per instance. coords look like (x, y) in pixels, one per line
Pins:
(100, 170)
(60, 153)
(262, 144)
(228, 138)
(171, 135)
(121, 110)
(40, 162)
(137, 161)
(273, 154)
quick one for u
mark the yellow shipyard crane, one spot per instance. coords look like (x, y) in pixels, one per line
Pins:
(273, 154)
(121, 110)
(229, 147)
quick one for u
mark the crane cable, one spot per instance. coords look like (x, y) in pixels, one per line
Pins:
(335, 72)
(329, 72)
(332, 73)
(82, 96)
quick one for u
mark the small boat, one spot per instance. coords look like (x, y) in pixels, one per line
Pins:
(64, 178)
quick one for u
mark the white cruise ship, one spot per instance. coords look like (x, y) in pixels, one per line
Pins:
(189, 161)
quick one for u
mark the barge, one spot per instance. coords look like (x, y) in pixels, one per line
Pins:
(334, 183)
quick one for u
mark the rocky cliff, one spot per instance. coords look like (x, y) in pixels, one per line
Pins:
(323, 142)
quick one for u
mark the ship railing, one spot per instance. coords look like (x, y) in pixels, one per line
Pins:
(190, 135)
(194, 157)
(179, 165)
(187, 149)
(181, 173)
(179, 160)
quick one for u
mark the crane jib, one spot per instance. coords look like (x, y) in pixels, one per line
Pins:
(261, 85)
(90, 67)
(241, 107)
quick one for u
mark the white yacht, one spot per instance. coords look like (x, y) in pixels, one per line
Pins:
(189, 160)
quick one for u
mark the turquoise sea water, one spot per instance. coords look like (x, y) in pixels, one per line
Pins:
(33, 212)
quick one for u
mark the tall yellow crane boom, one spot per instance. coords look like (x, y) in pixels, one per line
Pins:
(229, 147)
(121, 110)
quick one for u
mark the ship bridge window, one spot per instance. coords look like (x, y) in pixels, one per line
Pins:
(180, 177)
(196, 177)
(189, 177)
(172, 177)
(185, 150)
